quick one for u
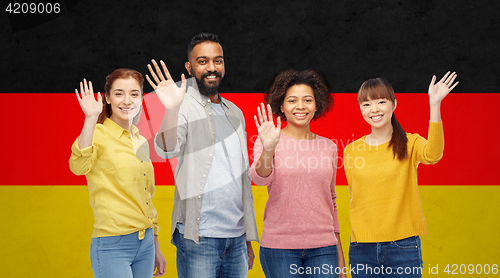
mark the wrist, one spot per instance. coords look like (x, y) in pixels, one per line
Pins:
(91, 118)
(435, 103)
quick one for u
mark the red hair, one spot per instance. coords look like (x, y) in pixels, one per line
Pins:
(379, 88)
(110, 79)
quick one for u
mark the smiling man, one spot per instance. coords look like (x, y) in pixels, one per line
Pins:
(213, 219)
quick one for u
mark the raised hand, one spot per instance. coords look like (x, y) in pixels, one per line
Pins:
(169, 94)
(438, 91)
(268, 133)
(90, 106)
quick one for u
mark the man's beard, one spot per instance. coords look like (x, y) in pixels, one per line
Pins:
(208, 91)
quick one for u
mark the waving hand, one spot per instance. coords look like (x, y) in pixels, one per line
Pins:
(90, 107)
(268, 133)
(438, 91)
(169, 94)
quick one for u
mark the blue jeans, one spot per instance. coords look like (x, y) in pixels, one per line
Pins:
(315, 262)
(123, 256)
(400, 258)
(211, 257)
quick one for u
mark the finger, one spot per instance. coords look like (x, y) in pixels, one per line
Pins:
(184, 82)
(259, 114)
(167, 73)
(264, 116)
(82, 92)
(256, 122)
(278, 123)
(151, 82)
(269, 112)
(450, 79)
(433, 80)
(153, 74)
(164, 268)
(158, 70)
(99, 97)
(85, 85)
(444, 77)
(454, 85)
(91, 89)
(77, 96)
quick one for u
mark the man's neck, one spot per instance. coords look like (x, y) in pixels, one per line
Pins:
(215, 98)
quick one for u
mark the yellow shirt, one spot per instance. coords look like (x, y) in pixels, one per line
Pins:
(385, 201)
(120, 180)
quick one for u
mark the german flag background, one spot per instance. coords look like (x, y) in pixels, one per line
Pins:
(46, 218)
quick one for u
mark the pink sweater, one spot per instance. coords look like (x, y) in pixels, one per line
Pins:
(301, 211)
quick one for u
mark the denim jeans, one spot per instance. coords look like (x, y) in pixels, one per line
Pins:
(123, 256)
(211, 257)
(314, 262)
(400, 258)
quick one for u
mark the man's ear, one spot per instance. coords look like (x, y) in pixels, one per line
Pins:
(187, 65)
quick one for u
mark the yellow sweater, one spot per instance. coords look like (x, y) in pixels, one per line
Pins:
(385, 201)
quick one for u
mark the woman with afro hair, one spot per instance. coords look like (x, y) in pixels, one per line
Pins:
(301, 233)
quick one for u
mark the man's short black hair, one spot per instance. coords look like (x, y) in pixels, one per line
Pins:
(201, 37)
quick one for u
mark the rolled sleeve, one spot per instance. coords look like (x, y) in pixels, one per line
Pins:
(81, 160)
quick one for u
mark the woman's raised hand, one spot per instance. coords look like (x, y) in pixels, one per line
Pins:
(90, 106)
(438, 91)
(169, 94)
(268, 133)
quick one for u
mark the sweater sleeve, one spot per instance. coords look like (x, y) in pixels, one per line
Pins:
(256, 178)
(334, 194)
(430, 151)
(81, 161)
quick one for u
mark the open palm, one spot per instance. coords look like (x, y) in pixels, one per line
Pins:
(90, 106)
(269, 134)
(438, 91)
(169, 94)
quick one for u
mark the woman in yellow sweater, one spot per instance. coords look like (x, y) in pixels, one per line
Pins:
(114, 157)
(381, 169)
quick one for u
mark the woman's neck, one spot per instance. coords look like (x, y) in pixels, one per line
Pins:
(127, 125)
(379, 135)
(302, 133)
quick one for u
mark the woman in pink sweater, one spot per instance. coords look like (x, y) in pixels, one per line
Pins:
(301, 233)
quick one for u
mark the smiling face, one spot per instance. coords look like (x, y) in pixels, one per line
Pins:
(206, 65)
(299, 105)
(125, 100)
(377, 112)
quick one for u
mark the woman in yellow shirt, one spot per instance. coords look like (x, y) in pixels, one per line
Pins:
(114, 157)
(381, 169)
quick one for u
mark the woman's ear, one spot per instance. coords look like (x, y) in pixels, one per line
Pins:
(395, 104)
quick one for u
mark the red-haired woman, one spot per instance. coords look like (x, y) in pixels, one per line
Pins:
(114, 157)
(381, 168)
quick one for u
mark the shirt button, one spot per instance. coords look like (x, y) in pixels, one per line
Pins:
(209, 113)
(144, 174)
(147, 203)
(198, 219)
(145, 188)
(129, 137)
(209, 100)
(213, 132)
(210, 155)
(204, 175)
(142, 161)
(199, 196)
